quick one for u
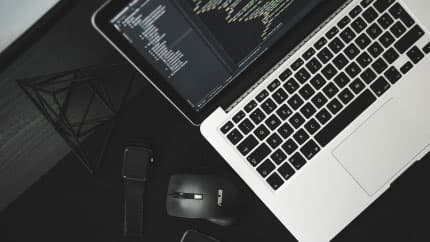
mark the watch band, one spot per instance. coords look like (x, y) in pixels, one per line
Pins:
(133, 208)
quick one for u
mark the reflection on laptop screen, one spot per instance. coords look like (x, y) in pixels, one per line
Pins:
(200, 46)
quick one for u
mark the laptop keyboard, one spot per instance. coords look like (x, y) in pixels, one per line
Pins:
(327, 88)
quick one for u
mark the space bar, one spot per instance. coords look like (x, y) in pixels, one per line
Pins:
(348, 115)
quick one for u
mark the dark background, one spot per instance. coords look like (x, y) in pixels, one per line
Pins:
(67, 204)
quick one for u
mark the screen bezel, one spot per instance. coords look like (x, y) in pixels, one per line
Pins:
(101, 20)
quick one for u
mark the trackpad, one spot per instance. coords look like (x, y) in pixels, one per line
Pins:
(383, 145)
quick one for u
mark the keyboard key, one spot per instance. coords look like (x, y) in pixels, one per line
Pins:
(344, 22)
(284, 112)
(234, 136)
(306, 91)
(382, 5)
(379, 66)
(259, 154)
(368, 76)
(290, 146)
(355, 11)
(364, 60)
(346, 96)
(357, 86)
(398, 12)
(366, 3)
(406, 67)
(297, 64)
(275, 181)
(301, 136)
(246, 126)
(342, 80)
(302, 75)
(318, 82)
(278, 156)
(347, 35)
(374, 31)
(409, 39)
(392, 75)
(286, 171)
(398, 29)
(308, 110)
(363, 41)
(291, 86)
(336, 45)
(285, 75)
(332, 32)
(310, 149)
(309, 53)
(353, 70)
(330, 90)
(380, 86)
(314, 65)
(391, 55)
(247, 145)
(262, 95)
(297, 161)
(375, 50)
(312, 126)
(250, 106)
(323, 116)
(426, 48)
(329, 71)
(351, 51)
(339, 123)
(239, 116)
(295, 102)
(274, 141)
(370, 14)
(297, 120)
(257, 116)
(285, 130)
(320, 43)
(386, 39)
(266, 168)
(385, 20)
(319, 100)
(273, 85)
(340, 61)
(227, 127)
(359, 25)
(334, 106)
(415, 55)
(273, 122)
(280, 96)
(325, 55)
(268, 106)
(261, 132)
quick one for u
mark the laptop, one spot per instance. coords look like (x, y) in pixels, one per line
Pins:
(324, 130)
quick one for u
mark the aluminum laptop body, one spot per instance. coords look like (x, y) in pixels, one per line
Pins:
(359, 164)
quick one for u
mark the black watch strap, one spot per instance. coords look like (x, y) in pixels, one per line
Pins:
(133, 208)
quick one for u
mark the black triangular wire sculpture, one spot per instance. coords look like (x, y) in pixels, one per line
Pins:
(79, 102)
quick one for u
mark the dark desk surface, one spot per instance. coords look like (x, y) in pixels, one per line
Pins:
(67, 204)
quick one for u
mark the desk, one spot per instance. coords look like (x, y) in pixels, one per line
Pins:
(69, 205)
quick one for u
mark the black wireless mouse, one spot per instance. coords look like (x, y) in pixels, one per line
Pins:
(203, 196)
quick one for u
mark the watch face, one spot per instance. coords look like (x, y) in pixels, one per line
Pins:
(194, 236)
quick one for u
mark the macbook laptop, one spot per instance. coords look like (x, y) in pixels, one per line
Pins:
(322, 132)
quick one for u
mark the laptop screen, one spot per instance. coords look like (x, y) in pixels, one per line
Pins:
(200, 46)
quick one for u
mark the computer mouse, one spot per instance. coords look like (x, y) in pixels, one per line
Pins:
(206, 197)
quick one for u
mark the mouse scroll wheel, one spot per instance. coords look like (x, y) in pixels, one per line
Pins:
(183, 195)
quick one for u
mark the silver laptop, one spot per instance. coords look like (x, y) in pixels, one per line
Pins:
(324, 131)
